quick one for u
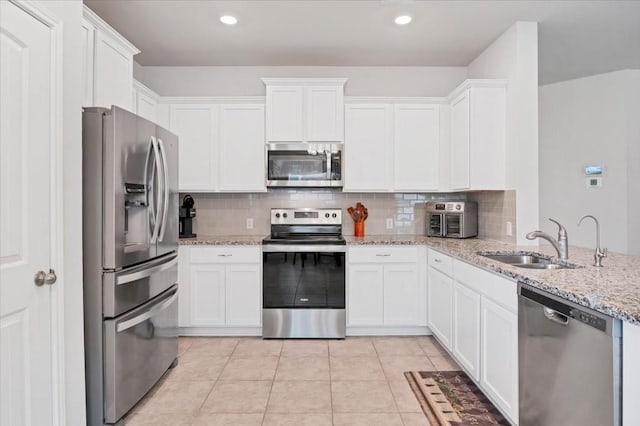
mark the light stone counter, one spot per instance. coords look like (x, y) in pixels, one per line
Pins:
(613, 289)
(223, 240)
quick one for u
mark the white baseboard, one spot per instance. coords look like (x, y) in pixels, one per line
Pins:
(220, 331)
(388, 331)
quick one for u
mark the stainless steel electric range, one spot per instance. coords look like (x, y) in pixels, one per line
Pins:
(304, 275)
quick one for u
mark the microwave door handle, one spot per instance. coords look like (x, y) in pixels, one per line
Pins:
(156, 225)
(165, 187)
(328, 155)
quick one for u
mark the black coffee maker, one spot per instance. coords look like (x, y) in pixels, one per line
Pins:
(187, 213)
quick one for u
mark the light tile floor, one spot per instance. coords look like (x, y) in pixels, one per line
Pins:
(250, 381)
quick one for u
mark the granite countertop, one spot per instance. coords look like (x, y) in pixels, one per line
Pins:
(613, 289)
(223, 240)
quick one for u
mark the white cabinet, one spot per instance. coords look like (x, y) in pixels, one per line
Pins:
(477, 144)
(304, 110)
(440, 297)
(416, 147)
(221, 145)
(499, 354)
(392, 147)
(196, 126)
(108, 65)
(220, 288)
(144, 102)
(368, 136)
(466, 328)
(386, 287)
(241, 139)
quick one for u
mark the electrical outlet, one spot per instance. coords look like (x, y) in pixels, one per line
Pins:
(509, 229)
(249, 223)
(389, 223)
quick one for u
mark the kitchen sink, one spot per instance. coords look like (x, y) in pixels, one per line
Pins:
(528, 261)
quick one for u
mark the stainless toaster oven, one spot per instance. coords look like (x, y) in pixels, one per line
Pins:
(452, 219)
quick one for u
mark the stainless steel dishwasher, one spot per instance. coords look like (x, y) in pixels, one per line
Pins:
(569, 361)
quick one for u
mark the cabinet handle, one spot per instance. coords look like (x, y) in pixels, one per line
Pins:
(383, 255)
(437, 260)
(225, 255)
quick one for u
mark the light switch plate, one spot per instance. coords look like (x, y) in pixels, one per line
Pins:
(389, 223)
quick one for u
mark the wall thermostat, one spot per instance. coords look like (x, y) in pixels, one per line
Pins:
(593, 170)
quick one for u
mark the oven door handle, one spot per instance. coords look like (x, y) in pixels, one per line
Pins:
(303, 248)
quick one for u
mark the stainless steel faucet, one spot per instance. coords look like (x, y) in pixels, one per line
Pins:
(600, 252)
(561, 246)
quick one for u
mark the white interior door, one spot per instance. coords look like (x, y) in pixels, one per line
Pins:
(26, 141)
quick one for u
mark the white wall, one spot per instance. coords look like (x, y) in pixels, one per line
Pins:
(245, 81)
(592, 120)
(70, 13)
(514, 56)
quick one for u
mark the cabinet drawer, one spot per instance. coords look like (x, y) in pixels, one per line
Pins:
(383, 254)
(441, 262)
(501, 290)
(225, 254)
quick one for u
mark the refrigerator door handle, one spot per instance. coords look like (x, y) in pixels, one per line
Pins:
(156, 225)
(125, 325)
(165, 187)
(144, 273)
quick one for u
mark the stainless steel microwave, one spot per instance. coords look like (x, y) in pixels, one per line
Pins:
(304, 165)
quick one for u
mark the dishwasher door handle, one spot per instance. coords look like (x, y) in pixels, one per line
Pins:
(555, 316)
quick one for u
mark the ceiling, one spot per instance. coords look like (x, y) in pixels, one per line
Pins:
(576, 38)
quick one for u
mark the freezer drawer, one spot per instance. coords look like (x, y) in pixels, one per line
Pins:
(131, 287)
(139, 347)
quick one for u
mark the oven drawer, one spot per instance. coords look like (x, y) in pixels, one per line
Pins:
(139, 347)
(225, 254)
(383, 254)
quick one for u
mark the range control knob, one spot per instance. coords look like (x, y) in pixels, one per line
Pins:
(334, 215)
(458, 207)
(284, 215)
(326, 215)
(277, 214)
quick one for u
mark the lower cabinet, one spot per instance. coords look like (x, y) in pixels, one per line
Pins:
(386, 287)
(220, 287)
(474, 315)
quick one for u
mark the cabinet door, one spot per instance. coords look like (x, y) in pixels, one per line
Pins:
(184, 286)
(145, 106)
(196, 127)
(401, 295)
(88, 52)
(113, 73)
(207, 294)
(368, 147)
(242, 148)
(440, 306)
(460, 139)
(284, 113)
(324, 114)
(466, 328)
(416, 147)
(243, 295)
(365, 295)
(499, 354)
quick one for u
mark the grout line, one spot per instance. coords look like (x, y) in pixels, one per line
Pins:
(273, 380)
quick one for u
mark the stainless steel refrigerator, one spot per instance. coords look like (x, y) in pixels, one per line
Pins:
(130, 236)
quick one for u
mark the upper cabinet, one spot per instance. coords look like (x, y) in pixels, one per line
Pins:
(477, 141)
(108, 65)
(392, 146)
(221, 144)
(144, 102)
(304, 110)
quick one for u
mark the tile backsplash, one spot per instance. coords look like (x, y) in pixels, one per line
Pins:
(227, 214)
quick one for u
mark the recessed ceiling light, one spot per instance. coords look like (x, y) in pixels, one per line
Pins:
(228, 20)
(403, 19)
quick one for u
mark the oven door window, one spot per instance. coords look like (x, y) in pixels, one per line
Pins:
(311, 280)
(297, 165)
(435, 224)
(453, 225)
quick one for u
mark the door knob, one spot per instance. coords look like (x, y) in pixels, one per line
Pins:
(43, 278)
